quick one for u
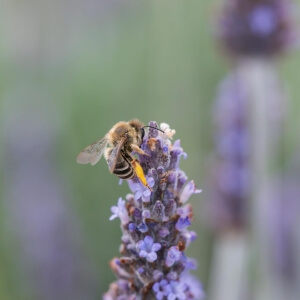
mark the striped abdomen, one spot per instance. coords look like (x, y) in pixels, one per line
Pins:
(123, 168)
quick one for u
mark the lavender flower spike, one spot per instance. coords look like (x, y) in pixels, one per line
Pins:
(154, 225)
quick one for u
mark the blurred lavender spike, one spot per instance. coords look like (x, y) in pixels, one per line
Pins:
(231, 180)
(248, 121)
(261, 78)
(155, 225)
(230, 187)
(50, 257)
(256, 27)
(235, 181)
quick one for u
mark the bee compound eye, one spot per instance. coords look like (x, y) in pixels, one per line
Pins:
(142, 133)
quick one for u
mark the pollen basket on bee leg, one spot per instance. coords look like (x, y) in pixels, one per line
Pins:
(140, 174)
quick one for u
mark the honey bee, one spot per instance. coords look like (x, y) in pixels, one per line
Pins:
(116, 146)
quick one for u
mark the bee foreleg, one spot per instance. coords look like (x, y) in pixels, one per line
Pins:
(138, 150)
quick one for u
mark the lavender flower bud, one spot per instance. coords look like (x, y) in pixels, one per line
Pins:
(163, 232)
(131, 227)
(170, 207)
(158, 211)
(154, 226)
(146, 214)
(142, 227)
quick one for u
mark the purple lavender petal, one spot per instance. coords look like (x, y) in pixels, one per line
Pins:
(141, 245)
(183, 223)
(156, 247)
(112, 217)
(120, 211)
(143, 253)
(188, 190)
(150, 181)
(148, 241)
(138, 194)
(146, 196)
(173, 256)
(152, 256)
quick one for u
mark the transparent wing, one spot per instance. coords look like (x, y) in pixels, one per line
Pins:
(113, 157)
(92, 153)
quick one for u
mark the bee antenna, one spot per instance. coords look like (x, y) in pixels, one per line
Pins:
(154, 128)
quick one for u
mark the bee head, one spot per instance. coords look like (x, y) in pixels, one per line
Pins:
(139, 128)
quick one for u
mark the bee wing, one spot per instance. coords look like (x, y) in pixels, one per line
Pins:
(113, 157)
(92, 153)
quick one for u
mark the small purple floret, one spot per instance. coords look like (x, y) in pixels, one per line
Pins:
(183, 223)
(147, 248)
(173, 256)
(188, 190)
(160, 290)
(176, 290)
(194, 286)
(120, 211)
(140, 191)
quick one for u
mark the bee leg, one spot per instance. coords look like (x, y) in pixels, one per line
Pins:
(140, 173)
(138, 150)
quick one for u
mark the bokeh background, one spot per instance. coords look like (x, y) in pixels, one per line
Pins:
(70, 70)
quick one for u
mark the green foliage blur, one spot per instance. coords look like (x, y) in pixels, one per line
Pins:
(100, 64)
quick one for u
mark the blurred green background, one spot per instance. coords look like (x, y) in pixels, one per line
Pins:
(84, 65)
